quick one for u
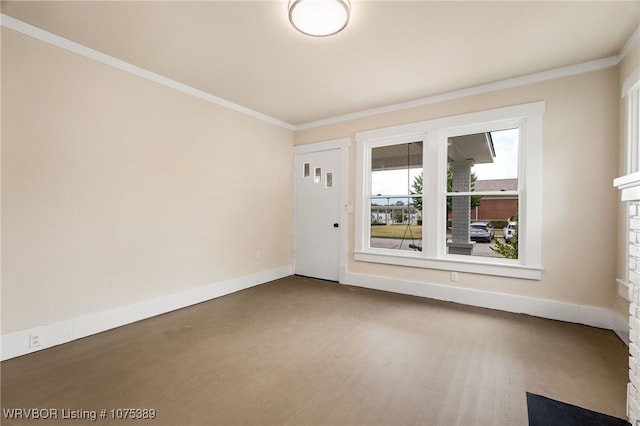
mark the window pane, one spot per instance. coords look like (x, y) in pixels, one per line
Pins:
(328, 180)
(395, 168)
(493, 156)
(483, 161)
(486, 229)
(396, 223)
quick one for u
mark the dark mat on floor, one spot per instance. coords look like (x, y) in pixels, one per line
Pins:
(545, 411)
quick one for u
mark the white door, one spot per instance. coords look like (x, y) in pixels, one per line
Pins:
(317, 214)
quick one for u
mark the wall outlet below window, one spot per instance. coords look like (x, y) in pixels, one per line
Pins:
(455, 277)
(35, 339)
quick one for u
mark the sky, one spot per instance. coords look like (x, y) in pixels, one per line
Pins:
(504, 166)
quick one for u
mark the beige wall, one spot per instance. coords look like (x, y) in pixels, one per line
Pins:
(117, 190)
(580, 129)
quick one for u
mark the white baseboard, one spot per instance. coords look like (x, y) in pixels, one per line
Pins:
(587, 315)
(16, 344)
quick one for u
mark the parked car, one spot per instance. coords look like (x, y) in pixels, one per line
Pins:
(481, 231)
(508, 231)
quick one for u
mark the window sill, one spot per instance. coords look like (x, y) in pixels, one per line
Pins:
(623, 289)
(457, 264)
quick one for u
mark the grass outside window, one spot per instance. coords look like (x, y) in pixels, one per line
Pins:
(396, 231)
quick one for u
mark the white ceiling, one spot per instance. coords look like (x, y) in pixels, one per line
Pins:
(246, 51)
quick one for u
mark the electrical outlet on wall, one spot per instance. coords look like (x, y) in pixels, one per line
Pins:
(35, 338)
(455, 276)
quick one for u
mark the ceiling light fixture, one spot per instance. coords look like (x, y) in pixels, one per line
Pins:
(319, 18)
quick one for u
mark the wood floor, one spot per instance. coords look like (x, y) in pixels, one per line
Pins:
(305, 352)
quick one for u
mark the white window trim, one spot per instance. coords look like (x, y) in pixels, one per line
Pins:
(631, 94)
(526, 116)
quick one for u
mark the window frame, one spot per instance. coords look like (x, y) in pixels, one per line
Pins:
(368, 189)
(631, 94)
(434, 134)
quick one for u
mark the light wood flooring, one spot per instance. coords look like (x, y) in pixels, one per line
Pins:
(299, 351)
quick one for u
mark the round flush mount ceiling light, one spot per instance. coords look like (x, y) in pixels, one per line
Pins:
(319, 18)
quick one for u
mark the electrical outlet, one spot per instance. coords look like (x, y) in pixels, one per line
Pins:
(455, 277)
(258, 255)
(35, 339)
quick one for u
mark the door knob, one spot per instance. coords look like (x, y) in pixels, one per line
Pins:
(335, 225)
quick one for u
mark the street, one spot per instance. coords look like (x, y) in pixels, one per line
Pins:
(480, 249)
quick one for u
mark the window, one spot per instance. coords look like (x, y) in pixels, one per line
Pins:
(482, 195)
(395, 198)
(631, 93)
(328, 180)
(461, 193)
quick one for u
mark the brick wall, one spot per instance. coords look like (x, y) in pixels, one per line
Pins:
(495, 209)
(461, 206)
(633, 390)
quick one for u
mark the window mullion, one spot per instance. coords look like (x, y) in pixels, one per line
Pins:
(482, 193)
(634, 117)
(432, 188)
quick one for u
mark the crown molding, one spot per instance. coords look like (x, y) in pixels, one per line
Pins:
(71, 46)
(485, 88)
(55, 40)
(631, 42)
(476, 90)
